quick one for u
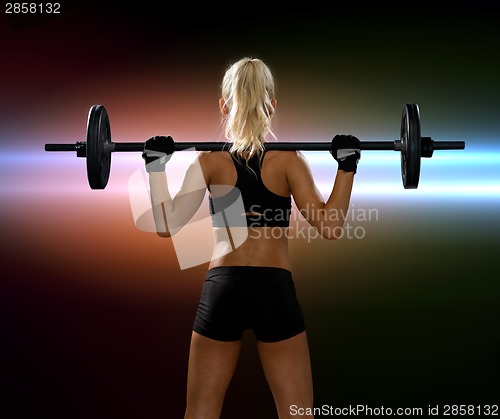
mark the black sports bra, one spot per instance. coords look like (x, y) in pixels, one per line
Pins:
(250, 203)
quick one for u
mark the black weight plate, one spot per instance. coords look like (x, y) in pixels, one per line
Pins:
(410, 146)
(98, 147)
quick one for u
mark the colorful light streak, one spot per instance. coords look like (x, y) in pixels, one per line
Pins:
(462, 173)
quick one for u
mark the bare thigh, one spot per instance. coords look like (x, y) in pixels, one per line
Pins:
(287, 367)
(211, 367)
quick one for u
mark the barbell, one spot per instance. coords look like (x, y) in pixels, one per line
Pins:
(98, 147)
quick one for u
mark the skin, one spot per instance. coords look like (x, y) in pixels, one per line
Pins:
(286, 364)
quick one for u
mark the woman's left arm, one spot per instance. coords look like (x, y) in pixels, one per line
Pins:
(170, 215)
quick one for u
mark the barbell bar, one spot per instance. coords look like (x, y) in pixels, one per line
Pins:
(98, 148)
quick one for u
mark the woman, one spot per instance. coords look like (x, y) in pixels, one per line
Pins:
(250, 286)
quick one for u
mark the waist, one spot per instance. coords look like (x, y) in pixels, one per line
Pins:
(249, 272)
(251, 247)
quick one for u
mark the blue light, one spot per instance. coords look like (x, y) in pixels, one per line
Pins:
(447, 173)
(457, 173)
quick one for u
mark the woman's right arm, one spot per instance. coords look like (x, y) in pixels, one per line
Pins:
(326, 217)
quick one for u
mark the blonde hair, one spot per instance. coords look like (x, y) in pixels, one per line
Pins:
(248, 91)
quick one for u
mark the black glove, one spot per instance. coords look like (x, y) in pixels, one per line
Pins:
(157, 152)
(346, 151)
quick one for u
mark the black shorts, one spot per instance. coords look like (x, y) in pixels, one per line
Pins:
(235, 298)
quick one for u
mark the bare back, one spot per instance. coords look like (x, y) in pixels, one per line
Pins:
(284, 173)
(264, 246)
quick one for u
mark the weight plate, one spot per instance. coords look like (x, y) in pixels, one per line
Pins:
(98, 147)
(410, 146)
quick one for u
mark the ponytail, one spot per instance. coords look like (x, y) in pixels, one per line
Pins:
(248, 91)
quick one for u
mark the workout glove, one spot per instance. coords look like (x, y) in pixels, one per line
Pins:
(157, 152)
(346, 151)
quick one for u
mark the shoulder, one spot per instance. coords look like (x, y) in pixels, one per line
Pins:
(215, 164)
(288, 159)
(282, 156)
(212, 158)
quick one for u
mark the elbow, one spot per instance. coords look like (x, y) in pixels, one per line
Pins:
(331, 232)
(166, 232)
(331, 235)
(163, 234)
